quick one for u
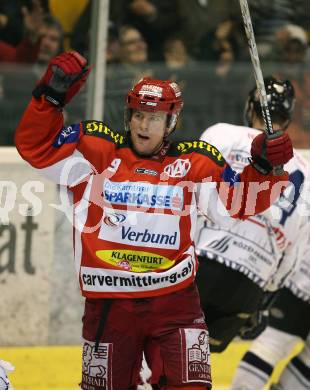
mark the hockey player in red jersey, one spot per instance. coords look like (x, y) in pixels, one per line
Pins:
(135, 207)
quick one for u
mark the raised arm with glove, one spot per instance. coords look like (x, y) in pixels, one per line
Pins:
(63, 78)
(269, 151)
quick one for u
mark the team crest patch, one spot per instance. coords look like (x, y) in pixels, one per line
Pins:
(96, 370)
(196, 365)
(178, 168)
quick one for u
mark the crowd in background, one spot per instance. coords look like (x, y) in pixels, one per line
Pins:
(199, 43)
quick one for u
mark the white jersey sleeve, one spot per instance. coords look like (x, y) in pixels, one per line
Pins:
(290, 260)
(234, 142)
(291, 220)
(265, 248)
(299, 281)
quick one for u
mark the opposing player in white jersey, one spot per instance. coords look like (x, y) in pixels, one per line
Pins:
(240, 263)
(289, 322)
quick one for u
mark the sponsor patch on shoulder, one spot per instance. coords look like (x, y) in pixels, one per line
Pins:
(67, 135)
(99, 129)
(201, 147)
(230, 176)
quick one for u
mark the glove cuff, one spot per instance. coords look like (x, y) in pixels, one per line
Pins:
(50, 94)
(261, 165)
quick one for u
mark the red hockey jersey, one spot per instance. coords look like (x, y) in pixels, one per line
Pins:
(134, 217)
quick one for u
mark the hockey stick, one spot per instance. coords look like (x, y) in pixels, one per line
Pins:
(247, 22)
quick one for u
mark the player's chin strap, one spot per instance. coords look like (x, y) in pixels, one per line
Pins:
(104, 315)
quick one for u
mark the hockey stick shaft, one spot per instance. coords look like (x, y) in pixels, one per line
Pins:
(256, 65)
(258, 74)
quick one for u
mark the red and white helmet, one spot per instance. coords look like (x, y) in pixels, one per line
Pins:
(155, 95)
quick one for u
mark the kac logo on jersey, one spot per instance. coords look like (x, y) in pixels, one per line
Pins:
(178, 169)
(68, 135)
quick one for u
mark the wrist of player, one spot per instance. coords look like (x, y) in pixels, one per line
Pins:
(270, 151)
(261, 165)
(51, 95)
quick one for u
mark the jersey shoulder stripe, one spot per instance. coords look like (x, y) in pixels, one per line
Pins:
(201, 147)
(100, 129)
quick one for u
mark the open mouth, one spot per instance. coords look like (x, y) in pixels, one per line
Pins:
(144, 137)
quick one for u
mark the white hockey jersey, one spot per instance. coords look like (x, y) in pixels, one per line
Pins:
(266, 247)
(299, 281)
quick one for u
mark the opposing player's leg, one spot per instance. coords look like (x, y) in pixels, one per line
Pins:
(257, 364)
(296, 374)
(225, 317)
(289, 323)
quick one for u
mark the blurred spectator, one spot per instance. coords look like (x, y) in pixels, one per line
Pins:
(196, 18)
(289, 53)
(291, 45)
(68, 13)
(155, 19)
(26, 50)
(269, 16)
(50, 43)
(17, 78)
(80, 36)
(176, 54)
(113, 45)
(11, 18)
(179, 65)
(131, 66)
(11, 30)
(228, 41)
(133, 48)
(132, 62)
(158, 20)
(43, 37)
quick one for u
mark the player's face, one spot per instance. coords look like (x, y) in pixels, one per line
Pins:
(147, 131)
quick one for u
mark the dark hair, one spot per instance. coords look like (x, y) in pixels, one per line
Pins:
(51, 22)
(280, 97)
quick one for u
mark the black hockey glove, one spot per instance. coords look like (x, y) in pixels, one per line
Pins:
(258, 321)
(63, 78)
